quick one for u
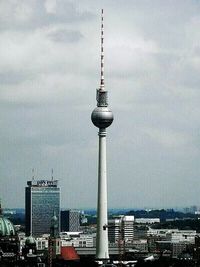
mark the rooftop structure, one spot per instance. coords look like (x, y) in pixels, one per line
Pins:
(42, 183)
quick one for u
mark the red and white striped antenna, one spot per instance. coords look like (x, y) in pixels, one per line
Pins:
(102, 52)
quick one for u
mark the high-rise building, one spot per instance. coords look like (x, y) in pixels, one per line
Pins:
(42, 201)
(128, 226)
(102, 118)
(114, 228)
(70, 220)
(121, 228)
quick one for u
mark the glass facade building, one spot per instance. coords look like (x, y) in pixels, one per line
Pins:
(70, 220)
(42, 201)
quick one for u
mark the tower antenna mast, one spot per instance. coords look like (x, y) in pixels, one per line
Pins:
(102, 85)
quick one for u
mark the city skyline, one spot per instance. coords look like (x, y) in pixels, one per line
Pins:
(47, 94)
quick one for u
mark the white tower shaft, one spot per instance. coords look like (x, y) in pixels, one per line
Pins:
(102, 231)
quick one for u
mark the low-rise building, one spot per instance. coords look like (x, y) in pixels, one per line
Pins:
(147, 220)
(77, 240)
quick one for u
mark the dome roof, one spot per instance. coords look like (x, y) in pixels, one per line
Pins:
(6, 227)
(30, 240)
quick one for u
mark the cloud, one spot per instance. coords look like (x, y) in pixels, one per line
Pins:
(166, 137)
(49, 71)
(31, 15)
(65, 36)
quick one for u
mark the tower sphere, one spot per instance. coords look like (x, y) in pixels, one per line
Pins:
(102, 117)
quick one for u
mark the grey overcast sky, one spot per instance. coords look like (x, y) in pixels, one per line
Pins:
(49, 72)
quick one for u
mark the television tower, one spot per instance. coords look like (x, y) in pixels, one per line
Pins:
(102, 118)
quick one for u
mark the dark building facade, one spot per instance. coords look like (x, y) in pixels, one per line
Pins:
(42, 200)
(70, 220)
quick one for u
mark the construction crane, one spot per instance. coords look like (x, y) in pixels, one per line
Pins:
(121, 241)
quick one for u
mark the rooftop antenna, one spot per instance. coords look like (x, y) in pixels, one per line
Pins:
(102, 85)
(33, 174)
(52, 174)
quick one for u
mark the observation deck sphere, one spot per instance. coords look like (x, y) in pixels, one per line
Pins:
(102, 117)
